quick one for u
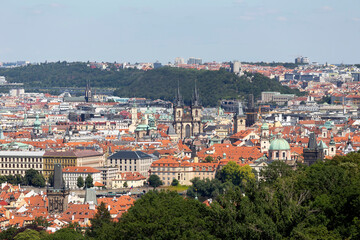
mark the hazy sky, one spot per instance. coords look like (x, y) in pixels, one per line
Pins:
(150, 30)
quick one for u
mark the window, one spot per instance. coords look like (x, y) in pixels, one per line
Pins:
(134, 168)
(125, 168)
(283, 154)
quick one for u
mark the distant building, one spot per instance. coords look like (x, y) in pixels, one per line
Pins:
(88, 93)
(235, 67)
(2, 80)
(58, 194)
(131, 161)
(313, 152)
(132, 179)
(356, 77)
(88, 158)
(71, 174)
(107, 175)
(16, 92)
(251, 114)
(179, 61)
(194, 61)
(302, 60)
(187, 120)
(18, 162)
(157, 65)
(276, 97)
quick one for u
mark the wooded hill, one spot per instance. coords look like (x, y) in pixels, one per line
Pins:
(158, 83)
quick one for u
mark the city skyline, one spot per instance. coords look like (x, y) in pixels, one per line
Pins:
(39, 31)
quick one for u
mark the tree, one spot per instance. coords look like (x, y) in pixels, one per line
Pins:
(174, 182)
(275, 170)
(38, 181)
(28, 234)
(209, 159)
(80, 182)
(89, 181)
(236, 174)
(65, 234)
(125, 185)
(29, 175)
(165, 215)
(100, 219)
(41, 221)
(154, 181)
(51, 179)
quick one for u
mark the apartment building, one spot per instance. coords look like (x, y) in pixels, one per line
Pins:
(170, 168)
(131, 161)
(18, 162)
(83, 158)
(71, 175)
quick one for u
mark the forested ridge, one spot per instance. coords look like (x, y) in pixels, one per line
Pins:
(158, 83)
(317, 202)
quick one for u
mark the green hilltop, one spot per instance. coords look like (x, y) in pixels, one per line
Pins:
(158, 83)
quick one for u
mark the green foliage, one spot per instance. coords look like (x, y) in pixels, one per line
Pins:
(125, 185)
(34, 178)
(174, 182)
(12, 179)
(154, 181)
(101, 219)
(275, 170)
(80, 182)
(317, 202)
(209, 159)
(65, 234)
(28, 234)
(158, 83)
(89, 181)
(8, 233)
(165, 215)
(208, 188)
(236, 174)
(51, 179)
(41, 221)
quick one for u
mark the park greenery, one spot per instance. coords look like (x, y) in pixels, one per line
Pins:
(159, 83)
(317, 202)
(32, 178)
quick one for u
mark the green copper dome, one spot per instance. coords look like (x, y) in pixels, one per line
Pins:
(37, 123)
(322, 145)
(279, 144)
(142, 127)
(265, 126)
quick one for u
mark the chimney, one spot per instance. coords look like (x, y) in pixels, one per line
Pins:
(72, 217)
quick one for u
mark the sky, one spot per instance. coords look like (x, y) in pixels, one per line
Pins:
(151, 30)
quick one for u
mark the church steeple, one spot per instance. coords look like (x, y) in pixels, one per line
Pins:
(178, 99)
(88, 93)
(196, 99)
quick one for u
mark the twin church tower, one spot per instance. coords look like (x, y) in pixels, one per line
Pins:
(187, 119)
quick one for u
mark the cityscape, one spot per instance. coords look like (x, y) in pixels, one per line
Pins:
(180, 147)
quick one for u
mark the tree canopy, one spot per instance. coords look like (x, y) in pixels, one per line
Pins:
(80, 182)
(159, 83)
(154, 181)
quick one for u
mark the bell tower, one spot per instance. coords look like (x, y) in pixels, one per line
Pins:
(178, 112)
(239, 119)
(88, 92)
(196, 112)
